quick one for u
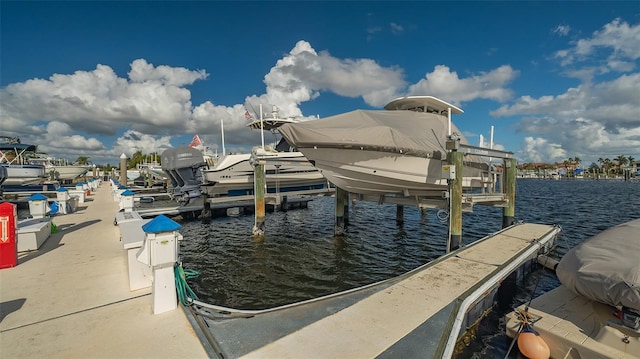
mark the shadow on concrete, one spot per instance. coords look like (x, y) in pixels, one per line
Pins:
(54, 240)
(11, 306)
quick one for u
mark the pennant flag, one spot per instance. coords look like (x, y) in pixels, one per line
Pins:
(247, 115)
(195, 141)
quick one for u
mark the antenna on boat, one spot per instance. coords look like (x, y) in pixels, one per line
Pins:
(222, 130)
(261, 128)
(449, 121)
(491, 143)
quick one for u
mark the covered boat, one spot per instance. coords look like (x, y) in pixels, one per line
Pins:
(397, 151)
(606, 267)
(595, 313)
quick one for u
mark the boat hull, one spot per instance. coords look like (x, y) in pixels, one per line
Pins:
(373, 172)
(285, 172)
(66, 173)
(20, 175)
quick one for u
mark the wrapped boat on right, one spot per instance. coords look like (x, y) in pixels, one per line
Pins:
(595, 312)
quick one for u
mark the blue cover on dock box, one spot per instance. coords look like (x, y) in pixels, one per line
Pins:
(38, 197)
(160, 224)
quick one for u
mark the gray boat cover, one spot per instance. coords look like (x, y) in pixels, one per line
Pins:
(606, 267)
(412, 133)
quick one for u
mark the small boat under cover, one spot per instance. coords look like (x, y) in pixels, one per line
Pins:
(595, 313)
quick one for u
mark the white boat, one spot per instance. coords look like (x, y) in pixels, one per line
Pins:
(286, 170)
(17, 170)
(397, 151)
(595, 312)
(58, 169)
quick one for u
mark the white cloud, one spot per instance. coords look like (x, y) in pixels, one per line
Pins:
(446, 84)
(396, 29)
(141, 71)
(100, 102)
(620, 39)
(303, 74)
(562, 30)
(541, 150)
(132, 141)
(614, 104)
(589, 121)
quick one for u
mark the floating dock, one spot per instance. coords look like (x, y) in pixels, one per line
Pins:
(421, 314)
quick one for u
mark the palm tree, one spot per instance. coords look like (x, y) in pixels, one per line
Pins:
(607, 165)
(83, 160)
(622, 160)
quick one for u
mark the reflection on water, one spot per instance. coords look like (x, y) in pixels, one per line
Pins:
(299, 258)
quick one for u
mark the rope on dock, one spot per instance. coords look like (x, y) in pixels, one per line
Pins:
(185, 293)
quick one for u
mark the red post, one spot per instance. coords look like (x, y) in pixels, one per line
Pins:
(8, 235)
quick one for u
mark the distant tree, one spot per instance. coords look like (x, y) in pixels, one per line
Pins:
(621, 160)
(82, 160)
(137, 158)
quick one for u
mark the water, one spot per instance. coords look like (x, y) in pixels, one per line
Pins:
(299, 258)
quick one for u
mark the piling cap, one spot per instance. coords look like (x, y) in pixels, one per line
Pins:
(127, 193)
(62, 189)
(37, 197)
(160, 224)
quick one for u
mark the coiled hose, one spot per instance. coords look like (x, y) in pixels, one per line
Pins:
(185, 294)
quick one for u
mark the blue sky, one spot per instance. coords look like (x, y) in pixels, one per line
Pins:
(97, 79)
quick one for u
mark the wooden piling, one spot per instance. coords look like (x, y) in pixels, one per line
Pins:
(206, 214)
(509, 181)
(123, 169)
(454, 158)
(149, 178)
(259, 189)
(399, 213)
(342, 200)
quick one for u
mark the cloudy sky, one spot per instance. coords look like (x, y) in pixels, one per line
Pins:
(98, 79)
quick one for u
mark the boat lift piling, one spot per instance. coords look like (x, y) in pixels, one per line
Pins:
(399, 213)
(259, 189)
(508, 212)
(454, 160)
(342, 208)
(453, 172)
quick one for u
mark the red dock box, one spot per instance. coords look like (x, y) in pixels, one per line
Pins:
(8, 235)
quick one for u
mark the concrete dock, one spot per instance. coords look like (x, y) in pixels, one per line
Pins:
(71, 297)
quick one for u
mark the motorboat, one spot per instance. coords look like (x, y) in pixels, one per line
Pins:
(399, 150)
(58, 169)
(286, 170)
(595, 312)
(17, 170)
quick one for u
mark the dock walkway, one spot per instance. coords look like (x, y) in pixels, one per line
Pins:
(71, 298)
(417, 315)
